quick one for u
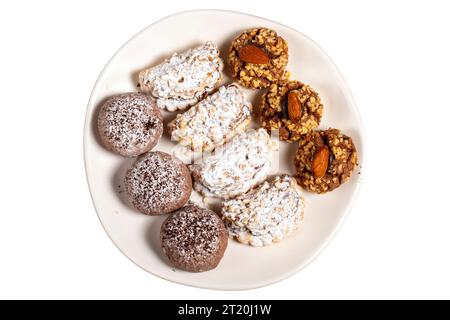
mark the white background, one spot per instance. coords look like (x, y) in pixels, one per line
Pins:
(395, 57)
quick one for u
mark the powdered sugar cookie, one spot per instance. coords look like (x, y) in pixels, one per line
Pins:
(158, 183)
(266, 214)
(130, 124)
(194, 239)
(235, 167)
(185, 78)
(213, 120)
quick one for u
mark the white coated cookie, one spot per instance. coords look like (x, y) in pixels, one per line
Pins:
(213, 120)
(266, 214)
(235, 167)
(185, 78)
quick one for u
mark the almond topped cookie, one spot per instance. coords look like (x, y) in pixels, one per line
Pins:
(258, 57)
(292, 108)
(185, 78)
(325, 160)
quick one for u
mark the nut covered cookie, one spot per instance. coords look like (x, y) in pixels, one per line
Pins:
(291, 107)
(325, 160)
(258, 57)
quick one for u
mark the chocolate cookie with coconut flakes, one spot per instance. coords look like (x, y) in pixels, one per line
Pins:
(158, 183)
(130, 124)
(194, 239)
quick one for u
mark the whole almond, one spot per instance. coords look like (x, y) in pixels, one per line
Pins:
(253, 54)
(320, 161)
(294, 107)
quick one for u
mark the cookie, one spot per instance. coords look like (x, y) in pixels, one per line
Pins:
(194, 239)
(325, 160)
(258, 57)
(213, 120)
(291, 107)
(158, 183)
(130, 124)
(266, 214)
(236, 167)
(185, 78)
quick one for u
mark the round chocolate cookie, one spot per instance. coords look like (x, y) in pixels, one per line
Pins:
(291, 107)
(325, 160)
(258, 57)
(158, 183)
(130, 124)
(194, 239)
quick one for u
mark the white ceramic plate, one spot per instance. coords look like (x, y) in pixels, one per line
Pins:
(137, 235)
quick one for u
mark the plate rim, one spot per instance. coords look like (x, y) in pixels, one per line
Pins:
(327, 240)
